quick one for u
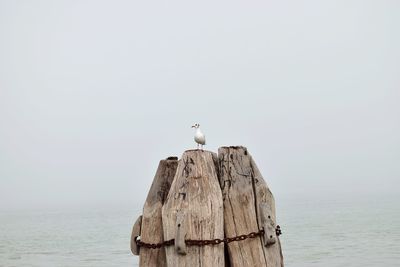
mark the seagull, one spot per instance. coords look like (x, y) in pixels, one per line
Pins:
(199, 137)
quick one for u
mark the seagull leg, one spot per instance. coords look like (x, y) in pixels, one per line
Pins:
(197, 146)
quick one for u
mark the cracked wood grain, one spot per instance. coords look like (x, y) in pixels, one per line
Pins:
(239, 207)
(195, 192)
(243, 188)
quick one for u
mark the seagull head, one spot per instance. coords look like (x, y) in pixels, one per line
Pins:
(196, 125)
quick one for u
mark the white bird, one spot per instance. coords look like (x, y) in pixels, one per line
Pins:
(199, 137)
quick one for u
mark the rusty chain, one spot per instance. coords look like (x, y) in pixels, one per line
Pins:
(200, 243)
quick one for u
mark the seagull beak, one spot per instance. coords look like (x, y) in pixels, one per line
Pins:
(193, 126)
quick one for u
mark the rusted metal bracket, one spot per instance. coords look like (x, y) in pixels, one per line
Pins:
(180, 244)
(136, 230)
(268, 224)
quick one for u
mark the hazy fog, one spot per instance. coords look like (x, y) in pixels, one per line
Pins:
(94, 93)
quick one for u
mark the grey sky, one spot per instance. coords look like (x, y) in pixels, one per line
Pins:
(94, 93)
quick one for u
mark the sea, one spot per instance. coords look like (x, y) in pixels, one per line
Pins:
(328, 231)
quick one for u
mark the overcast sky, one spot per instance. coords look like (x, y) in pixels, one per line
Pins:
(94, 93)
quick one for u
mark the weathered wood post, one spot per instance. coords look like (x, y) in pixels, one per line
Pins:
(265, 204)
(248, 207)
(149, 225)
(194, 211)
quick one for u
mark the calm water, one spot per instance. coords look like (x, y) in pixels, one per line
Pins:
(321, 232)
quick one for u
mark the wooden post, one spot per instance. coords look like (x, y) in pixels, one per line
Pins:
(151, 227)
(245, 199)
(265, 204)
(194, 210)
(240, 215)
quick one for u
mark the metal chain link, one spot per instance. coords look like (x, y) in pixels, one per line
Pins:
(200, 243)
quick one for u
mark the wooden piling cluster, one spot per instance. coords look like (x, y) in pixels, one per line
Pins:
(197, 203)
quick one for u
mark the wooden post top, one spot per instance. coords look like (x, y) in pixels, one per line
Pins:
(197, 150)
(233, 147)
